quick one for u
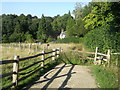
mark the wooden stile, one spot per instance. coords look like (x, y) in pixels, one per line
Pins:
(95, 55)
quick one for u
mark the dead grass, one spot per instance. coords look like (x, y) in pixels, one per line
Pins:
(9, 53)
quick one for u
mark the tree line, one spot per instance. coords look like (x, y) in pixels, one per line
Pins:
(30, 28)
(96, 23)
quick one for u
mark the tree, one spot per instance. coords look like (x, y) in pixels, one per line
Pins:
(41, 33)
(79, 30)
(70, 27)
(29, 37)
(33, 28)
(102, 13)
(60, 23)
(55, 28)
(78, 11)
(86, 10)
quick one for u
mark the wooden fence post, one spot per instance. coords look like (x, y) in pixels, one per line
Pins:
(95, 55)
(43, 57)
(36, 47)
(58, 52)
(15, 70)
(20, 45)
(53, 54)
(108, 57)
(29, 47)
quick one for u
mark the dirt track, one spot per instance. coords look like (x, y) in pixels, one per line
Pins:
(66, 76)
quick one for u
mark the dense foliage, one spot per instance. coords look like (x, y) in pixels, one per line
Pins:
(103, 38)
(98, 23)
(104, 26)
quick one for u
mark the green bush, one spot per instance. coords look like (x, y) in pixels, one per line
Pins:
(104, 38)
(49, 39)
(69, 40)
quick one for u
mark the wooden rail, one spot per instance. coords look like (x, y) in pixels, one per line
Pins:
(16, 70)
(99, 58)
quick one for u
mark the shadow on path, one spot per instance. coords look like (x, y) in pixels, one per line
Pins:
(67, 78)
(50, 80)
(53, 77)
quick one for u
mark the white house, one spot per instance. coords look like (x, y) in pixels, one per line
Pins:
(62, 34)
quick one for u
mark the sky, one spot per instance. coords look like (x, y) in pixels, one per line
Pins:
(38, 8)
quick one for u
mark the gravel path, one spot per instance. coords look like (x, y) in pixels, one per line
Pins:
(66, 76)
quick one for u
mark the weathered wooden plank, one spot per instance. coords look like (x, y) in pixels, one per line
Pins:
(54, 54)
(28, 72)
(6, 74)
(89, 58)
(22, 59)
(48, 57)
(102, 54)
(48, 52)
(31, 74)
(30, 66)
(57, 52)
(8, 87)
(42, 58)
(7, 61)
(115, 53)
(105, 59)
(84, 52)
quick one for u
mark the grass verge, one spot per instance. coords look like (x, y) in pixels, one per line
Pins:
(105, 77)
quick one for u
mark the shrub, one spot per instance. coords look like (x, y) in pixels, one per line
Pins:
(104, 38)
(69, 40)
(49, 39)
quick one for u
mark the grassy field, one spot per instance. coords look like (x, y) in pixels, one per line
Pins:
(8, 53)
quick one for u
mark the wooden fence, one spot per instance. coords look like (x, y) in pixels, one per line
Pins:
(99, 58)
(29, 46)
(15, 78)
